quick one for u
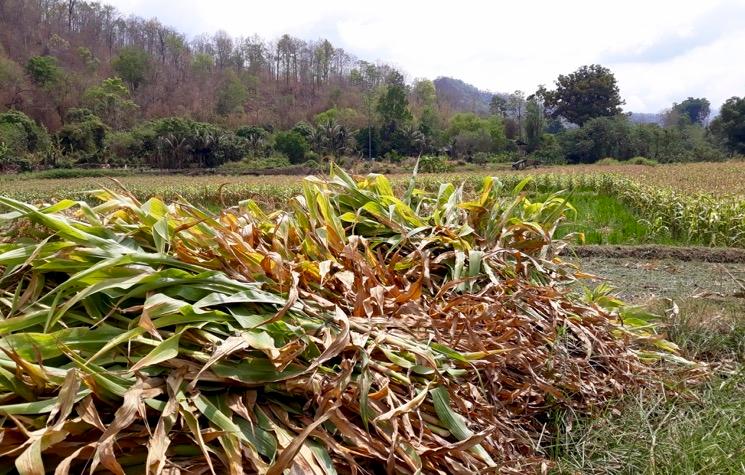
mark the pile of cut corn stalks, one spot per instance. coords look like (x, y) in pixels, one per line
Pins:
(351, 332)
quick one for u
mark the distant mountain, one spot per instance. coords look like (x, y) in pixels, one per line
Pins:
(455, 95)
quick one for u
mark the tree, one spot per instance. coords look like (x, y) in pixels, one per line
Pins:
(255, 137)
(31, 137)
(111, 101)
(470, 134)
(393, 106)
(367, 77)
(693, 110)
(291, 144)
(11, 82)
(175, 142)
(589, 92)
(368, 141)
(231, 95)
(83, 136)
(730, 124)
(335, 138)
(516, 106)
(425, 98)
(533, 124)
(498, 105)
(424, 92)
(43, 71)
(133, 65)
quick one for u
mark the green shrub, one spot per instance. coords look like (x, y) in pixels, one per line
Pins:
(291, 144)
(480, 158)
(43, 70)
(66, 171)
(22, 134)
(256, 139)
(434, 164)
(311, 155)
(503, 157)
(642, 161)
(608, 161)
(83, 137)
(176, 142)
(122, 148)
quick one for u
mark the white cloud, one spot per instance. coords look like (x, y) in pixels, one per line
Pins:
(661, 51)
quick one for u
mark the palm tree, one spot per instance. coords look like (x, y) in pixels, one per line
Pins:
(337, 138)
(416, 139)
(171, 150)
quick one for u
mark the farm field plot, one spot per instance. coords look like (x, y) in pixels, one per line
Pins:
(627, 204)
(719, 179)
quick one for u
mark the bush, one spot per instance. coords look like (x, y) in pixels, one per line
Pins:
(123, 148)
(311, 155)
(176, 142)
(393, 156)
(608, 161)
(65, 172)
(21, 134)
(480, 158)
(503, 157)
(256, 139)
(642, 161)
(434, 164)
(549, 151)
(291, 144)
(83, 138)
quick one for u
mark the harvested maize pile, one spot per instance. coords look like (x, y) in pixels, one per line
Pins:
(351, 332)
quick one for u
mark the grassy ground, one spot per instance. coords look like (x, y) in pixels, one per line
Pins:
(699, 431)
(702, 432)
(603, 219)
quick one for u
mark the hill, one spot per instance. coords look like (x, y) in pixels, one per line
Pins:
(459, 96)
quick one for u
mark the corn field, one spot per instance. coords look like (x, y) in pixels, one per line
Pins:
(682, 202)
(349, 331)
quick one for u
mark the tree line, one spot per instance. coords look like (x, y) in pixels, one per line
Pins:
(82, 85)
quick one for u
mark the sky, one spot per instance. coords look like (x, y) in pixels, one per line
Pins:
(660, 51)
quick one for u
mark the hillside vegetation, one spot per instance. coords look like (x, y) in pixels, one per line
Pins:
(83, 86)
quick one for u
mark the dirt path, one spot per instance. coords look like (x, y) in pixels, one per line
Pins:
(654, 252)
(641, 280)
(650, 272)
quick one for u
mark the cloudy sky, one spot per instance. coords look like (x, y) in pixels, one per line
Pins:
(661, 51)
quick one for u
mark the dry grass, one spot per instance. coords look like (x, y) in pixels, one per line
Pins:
(720, 179)
(700, 431)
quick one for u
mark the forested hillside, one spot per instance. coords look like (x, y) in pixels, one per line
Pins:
(80, 84)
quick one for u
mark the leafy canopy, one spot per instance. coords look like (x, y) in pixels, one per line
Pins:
(589, 92)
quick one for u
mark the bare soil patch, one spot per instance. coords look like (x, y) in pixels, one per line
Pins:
(656, 252)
